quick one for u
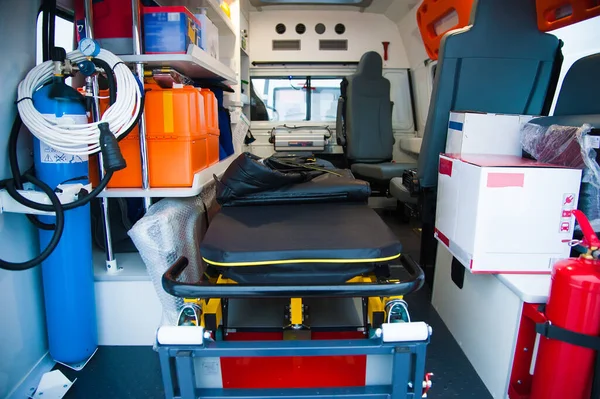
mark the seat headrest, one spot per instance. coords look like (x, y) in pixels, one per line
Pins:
(370, 65)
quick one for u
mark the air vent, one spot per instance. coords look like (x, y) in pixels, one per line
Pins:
(333, 45)
(320, 28)
(280, 28)
(300, 29)
(340, 29)
(286, 45)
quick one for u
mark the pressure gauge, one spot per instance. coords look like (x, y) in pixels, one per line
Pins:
(89, 47)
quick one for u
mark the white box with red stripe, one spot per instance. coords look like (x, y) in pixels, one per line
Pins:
(485, 133)
(505, 214)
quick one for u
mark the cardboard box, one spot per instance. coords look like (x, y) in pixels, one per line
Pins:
(505, 214)
(210, 36)
(170, 30)
(481, 133)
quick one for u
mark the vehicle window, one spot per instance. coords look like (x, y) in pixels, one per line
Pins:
(324, 98)
(297, 99)
(580, 40)
(64, 36)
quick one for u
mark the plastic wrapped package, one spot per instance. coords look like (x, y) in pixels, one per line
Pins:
(553, 144)
(572, 147)
(171, 228)
(589, 195)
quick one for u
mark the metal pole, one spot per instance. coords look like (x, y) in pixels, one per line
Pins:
(111, 261)
(139, 70)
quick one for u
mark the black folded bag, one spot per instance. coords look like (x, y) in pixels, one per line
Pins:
(250, 180)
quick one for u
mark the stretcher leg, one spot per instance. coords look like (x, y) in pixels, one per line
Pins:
(165, 369)
(184, 362)
(400, 373)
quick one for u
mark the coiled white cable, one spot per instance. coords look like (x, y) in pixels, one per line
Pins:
(80, 139)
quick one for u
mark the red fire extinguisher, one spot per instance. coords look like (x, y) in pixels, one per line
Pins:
(570, 325)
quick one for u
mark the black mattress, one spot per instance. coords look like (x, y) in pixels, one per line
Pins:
(297, 235)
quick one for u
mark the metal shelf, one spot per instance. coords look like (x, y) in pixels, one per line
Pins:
(196, 64)
(201, 179)
(213, 11)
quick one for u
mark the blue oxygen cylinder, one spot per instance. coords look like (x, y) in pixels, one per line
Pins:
(68, 274)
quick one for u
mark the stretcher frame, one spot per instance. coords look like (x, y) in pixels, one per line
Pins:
(408, 363)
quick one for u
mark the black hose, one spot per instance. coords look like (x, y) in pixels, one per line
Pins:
(60, 225)
(45, 33)
(110, 76)
(52, 25)
(84, 197)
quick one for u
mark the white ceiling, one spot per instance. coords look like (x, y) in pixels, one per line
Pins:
(394, 9)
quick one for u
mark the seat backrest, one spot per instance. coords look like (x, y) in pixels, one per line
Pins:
(368, 110)
(500, 63)
(580, 88)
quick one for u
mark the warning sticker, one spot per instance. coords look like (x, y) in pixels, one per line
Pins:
(50, 155)
(568, 201)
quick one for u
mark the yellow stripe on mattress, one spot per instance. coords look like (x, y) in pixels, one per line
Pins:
(290, 261)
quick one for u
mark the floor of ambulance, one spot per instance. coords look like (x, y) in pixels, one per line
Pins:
(134, 372)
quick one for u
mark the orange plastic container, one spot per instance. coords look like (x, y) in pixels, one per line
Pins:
(176, 112)
(176, 135)
(174, 161)
(212, 148)
(131, 176)
(211, 110)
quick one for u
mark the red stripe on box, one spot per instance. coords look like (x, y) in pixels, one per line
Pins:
(442, 237)
(499, 180)
(445, 167)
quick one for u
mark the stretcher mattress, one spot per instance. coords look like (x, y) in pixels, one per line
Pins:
(333, 233)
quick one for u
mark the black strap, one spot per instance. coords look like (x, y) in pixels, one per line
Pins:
(562, 334)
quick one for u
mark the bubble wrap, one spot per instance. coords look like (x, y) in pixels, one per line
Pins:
(568, 146)
(589, 195)
(173, 227)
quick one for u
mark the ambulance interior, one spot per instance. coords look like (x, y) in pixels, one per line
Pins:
(336, 198)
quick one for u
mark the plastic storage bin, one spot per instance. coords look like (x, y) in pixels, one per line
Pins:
(211, 110)
(131, 176)
(176, 135)
(170, 30)
(174, 161)
(176, 112)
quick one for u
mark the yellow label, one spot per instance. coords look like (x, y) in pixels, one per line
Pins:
(168, 111)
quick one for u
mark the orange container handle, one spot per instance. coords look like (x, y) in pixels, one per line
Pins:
(432, 12)
(554, 14)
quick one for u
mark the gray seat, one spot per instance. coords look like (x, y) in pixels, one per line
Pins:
(500, 63)
(400, 192)
(580, 88)
(380, 171)
(366, 113)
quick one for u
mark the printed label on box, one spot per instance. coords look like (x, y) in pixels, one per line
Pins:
(173, 16)
(210, 367)
(568, 201)
(567, 213)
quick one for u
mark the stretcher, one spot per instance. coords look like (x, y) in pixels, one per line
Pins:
(296, 254)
